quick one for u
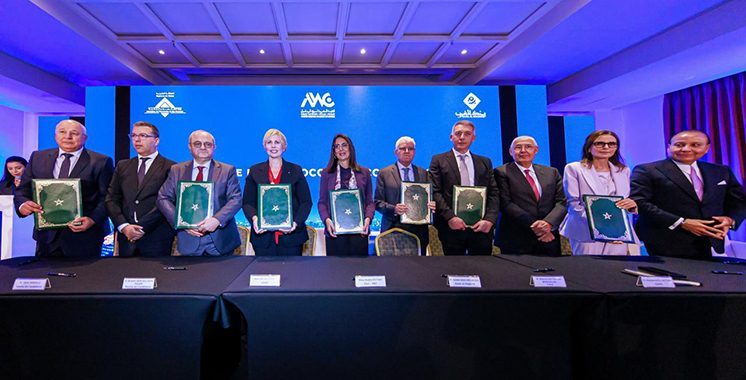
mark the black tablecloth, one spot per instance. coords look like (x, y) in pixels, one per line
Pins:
(681, 333)
(317, 324)
(88, 327)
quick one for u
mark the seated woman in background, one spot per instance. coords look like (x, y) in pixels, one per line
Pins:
(343, 172)
(600, 172)
(14, 167)
(284, 242)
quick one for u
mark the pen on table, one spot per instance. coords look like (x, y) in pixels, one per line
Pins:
(727, 272)
(174, 268)
(543, 270)
(62, 274)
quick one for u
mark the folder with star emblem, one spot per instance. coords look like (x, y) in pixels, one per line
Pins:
(61, 200)
(469, 203)
(416, 196)
(275, 207)
(347, 211)
(193, 203)
(606, 221)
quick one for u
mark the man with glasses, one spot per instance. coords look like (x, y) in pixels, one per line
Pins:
(532, 203)
(84, 236)
(132, 195)
(460, 167)
(388, 190)
(218, 234)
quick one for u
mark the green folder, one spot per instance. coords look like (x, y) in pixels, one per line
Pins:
(469, 203)
(606, 221)
(193, 203)
(275, 206)
(61, 200)
(416, 196)
(347, 211)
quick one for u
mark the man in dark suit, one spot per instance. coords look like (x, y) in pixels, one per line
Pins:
(83, 236)
(216, 235)
(132, 195)
(388, 191)
(532, 203)
(460, 167)
(686, 206)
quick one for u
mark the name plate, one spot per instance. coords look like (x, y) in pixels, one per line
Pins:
(655, 282)
(139, 283)
(31, 284)
(548, 282)
(370, 281)
(264, 280)
(464, 281)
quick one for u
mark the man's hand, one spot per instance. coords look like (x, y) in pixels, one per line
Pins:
(29, 207)
(194, 232)
(208, 225)
(133, 232)
(456, 224)
(483, 226)
(81, 224)
(401, 209)
(541, 227)
(330, 227)
(724, 223)
(547, 237)
(255, 225)
(701, 227)
(627, 204)
(431, 205)
(366, 227)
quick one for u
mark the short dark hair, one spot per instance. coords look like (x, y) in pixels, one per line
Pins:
(689, 130)
(153, 128)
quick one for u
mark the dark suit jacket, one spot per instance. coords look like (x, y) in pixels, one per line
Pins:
(444, 175)
(292, 174)
(664, 194)
(226, 203)
(95, 171)
(520, 209)
(125, 199)
(362, 178)
(388, 194)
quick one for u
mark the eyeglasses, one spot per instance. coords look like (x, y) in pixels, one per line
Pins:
(200, 144)
(140, 136)
(341, 146)
(406, 149)
(601, 144)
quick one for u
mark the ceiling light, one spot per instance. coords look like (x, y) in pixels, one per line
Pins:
(261, 51)
(363, 51)
(161, 52)
(463, 52)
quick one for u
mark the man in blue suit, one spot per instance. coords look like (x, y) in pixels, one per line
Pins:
(686, 206)
(216, 235)
(84, 236)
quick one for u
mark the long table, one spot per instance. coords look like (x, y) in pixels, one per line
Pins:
(88, 327)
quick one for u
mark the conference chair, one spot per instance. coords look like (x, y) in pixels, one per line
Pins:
(435, 248)
(309, 247)
(565, 248)
(116, 244)
(397, 242)
(244, 248)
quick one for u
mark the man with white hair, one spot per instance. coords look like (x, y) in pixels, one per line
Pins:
(388, 190)
(216, 235)
(83, 236)
(532, 203)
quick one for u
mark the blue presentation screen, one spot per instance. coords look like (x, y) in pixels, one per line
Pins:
(310, 116)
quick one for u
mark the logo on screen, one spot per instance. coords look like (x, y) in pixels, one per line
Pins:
(471, 101)
(164, 106)
(321, 106)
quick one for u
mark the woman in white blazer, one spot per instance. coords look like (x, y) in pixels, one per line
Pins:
(600, 172)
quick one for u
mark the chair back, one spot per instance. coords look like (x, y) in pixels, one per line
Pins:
(309, 247)
(435, 248)
(397, 242)
(245, 235)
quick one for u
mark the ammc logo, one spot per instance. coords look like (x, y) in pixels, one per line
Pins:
(164, 106)
(314, 102)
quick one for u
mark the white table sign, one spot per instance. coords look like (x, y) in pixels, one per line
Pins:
(264, 280)
(464, 281)
(139, 283)
(370, 281)
(548, 282)
(655, 282)
(31, 284)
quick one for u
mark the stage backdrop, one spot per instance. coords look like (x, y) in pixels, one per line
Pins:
(373, 117)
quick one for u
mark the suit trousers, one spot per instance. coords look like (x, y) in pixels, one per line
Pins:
(347, 245)
(460, 243)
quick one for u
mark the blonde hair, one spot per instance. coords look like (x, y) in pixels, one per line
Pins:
(275, 132)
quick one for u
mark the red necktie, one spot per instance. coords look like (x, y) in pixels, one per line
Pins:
(532, 183)
(200, 178)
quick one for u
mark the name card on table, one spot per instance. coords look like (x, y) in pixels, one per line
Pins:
(139, 283)
(548, 282)
(656, 282)
(464, 281)
(264, 280)
(370, 281)
(31, 284)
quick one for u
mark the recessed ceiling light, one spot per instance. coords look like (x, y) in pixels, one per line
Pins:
(161, 52)
(261, 51)
(463, 52)
(363, 51)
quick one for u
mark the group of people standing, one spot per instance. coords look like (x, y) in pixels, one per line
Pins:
(685, 207)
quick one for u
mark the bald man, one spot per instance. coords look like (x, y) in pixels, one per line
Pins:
(84, 236)
(686, 206)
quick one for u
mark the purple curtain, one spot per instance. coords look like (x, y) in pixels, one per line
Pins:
(717, 108)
